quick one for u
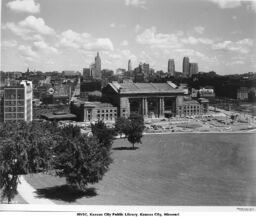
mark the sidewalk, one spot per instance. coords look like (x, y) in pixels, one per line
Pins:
(28, 193)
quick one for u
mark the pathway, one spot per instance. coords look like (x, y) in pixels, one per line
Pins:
(28, 193)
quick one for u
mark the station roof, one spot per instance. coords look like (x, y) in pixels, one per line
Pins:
(134, 88)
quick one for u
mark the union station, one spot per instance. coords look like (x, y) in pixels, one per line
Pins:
(152, 100)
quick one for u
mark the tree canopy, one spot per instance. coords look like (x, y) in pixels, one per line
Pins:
(132, 127)
(42, 146)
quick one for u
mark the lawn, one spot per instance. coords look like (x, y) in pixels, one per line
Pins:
(176, 169)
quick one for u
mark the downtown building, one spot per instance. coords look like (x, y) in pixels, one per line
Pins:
(142, 73)
(129, 66)
(185, 67)
(171, 67)
(95, 68)
(193, 69)
(16, 102)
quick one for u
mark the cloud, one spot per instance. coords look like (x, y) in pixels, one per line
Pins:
(29, 28)
(227, 3)
(124, 43)
(236, 62)
(37, 25)
(10, 43)
(253, 6)
(112, 25)
(99, 44)
(193, 41)
(199, 29)
(174, 40)
(223, 4)
(27, 51)
(136, 3)
(196, 54)
(16, 29)
(43, 46)
(29, 6)
(137, 28)
(84, 41)
(242, 46)
(159, 40)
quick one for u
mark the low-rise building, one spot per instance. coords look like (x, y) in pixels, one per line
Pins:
(189, 108)
(207, 92)
(58, 116)
(93, 111)
(242, 93)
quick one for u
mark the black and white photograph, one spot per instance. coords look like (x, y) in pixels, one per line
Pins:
(127, 103)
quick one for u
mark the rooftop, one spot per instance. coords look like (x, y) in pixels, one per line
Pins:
(58, 116)
(98, 104)
(130, 87)
(189, 102)
(93, 104)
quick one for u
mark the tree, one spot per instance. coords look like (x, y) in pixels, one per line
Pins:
(103, 134)
(43, 146)
(132, 127)
(122, 126)
(138, 119)
(136, 128)
(81, 160)
(24, 148)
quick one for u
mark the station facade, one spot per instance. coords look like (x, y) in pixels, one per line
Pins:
(152, 100)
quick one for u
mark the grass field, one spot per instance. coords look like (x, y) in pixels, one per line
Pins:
(176, 169)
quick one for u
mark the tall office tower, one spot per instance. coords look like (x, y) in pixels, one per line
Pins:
(171, 67)
(193, 69)
(185, 68)
(17, 102)
(97, 66)
(129, 66)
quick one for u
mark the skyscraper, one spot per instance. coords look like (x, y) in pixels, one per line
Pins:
(96, 67)
(129, 66)
(171, 67)
(185, 68)
(193, 69)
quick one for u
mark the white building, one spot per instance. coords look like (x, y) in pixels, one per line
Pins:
(18, 102)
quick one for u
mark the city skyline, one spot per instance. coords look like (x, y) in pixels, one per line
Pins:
(215, 34)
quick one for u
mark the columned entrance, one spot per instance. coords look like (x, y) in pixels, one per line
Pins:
(169, 106)
(153, 107)
(145, 106)
(136, 105)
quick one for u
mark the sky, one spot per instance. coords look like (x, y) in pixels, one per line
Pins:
(50, 35)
